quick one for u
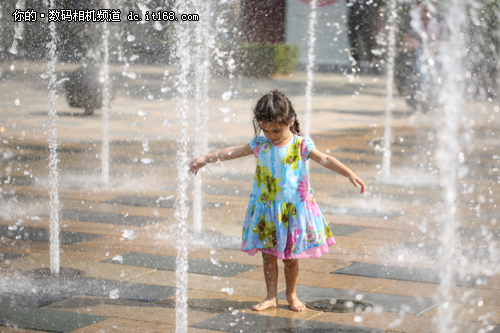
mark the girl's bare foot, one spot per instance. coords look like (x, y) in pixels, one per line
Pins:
(294, 303)
(269, 302)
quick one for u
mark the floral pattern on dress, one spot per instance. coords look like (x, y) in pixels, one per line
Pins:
(305, 195)
(266, 230)
(292, 154)
(286, 210)
(282, 216)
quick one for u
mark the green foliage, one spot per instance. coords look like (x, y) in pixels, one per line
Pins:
(264, 60)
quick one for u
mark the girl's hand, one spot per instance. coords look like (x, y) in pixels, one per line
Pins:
(196, 165)
(356, 181)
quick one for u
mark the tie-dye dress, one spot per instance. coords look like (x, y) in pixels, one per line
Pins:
(283, 218)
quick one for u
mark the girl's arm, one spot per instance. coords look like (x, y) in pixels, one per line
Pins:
(335, 165)
(225, 154)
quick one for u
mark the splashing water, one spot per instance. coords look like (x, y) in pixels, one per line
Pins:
(310, 68)
(391, 53)
(202, 58)
(183, 55)
(447, 157)
(53, 159)
(106, 103)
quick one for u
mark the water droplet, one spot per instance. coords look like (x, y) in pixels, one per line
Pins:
(130, 38)
(228, 290)
(227, 119)
(142, 113)
(224, 110)
(118, 258)
(358, 319)
(128, 233)
(17, 102)
(114, 294)
(134, 57)
(146, 160)
(227, 95)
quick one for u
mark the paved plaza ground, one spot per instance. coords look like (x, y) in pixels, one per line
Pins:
(119, 240)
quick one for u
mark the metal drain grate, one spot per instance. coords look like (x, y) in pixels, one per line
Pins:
(64, 273)
(338, 305)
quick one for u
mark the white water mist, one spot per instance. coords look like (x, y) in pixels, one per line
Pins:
(310, 68)
(205, 40)
(106, 101)
(53, 158)
(391, 54)
(183, 56)
(452, 74)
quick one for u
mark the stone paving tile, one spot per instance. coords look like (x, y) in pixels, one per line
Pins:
(382, 234)
(410, 289)
(45, 320)
(387, 321)
(209, 283)
(46, 291)
(91, 269)
(4, 329)
(7, 256)
(472, 313)
(225, 302)
(43, 235)
(196, 266)
(401, 273)
(359, 212)
(151, 314)
(130, 200)
(323, 279)
(126, 325)
(120, 219)
(386, 303)
(250, 322)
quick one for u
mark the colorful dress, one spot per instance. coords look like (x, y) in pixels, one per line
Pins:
(283, 218)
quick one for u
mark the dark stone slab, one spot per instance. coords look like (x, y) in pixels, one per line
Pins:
(481, 233)
(43, 235)
(169, 202)
(41, 292)
(335, 210)
(343, 230)
(45, 320)
(196, 266)
(109, 218)
(496, 329)
(26, 181)
(420, 251)
(4, 256)
(388, 303)
(400, 197)
(241, 322)
(489, 215)
(402, 273)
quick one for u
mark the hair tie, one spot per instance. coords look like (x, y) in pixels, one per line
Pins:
(271, 93)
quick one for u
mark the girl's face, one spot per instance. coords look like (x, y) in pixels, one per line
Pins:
(275, 131)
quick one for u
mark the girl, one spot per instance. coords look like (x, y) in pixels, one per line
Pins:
(283, 220)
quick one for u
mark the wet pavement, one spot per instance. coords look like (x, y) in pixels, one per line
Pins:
(120, 239)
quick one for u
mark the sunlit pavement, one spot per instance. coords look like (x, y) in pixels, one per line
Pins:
(121, 237)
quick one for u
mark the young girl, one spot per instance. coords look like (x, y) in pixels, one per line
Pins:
(282, 220)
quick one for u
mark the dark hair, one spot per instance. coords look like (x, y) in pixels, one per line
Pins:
(275, 106)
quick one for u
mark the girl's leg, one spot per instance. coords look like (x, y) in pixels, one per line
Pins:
(271, 277)
(292, 278)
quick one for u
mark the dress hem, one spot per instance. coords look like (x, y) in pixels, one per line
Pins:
(312, 252)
